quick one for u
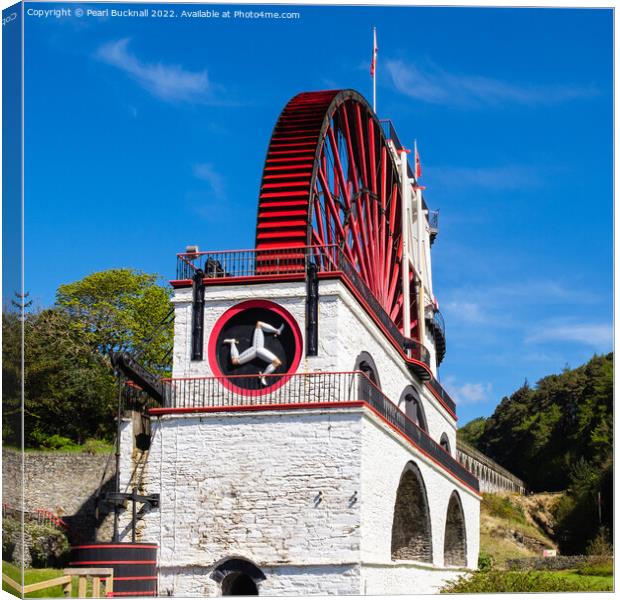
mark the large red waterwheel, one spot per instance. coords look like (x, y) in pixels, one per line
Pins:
(330, 180)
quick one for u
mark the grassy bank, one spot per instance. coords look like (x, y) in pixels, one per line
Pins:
(35, 576)
(531, 581)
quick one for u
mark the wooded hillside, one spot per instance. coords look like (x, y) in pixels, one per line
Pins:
(558, 435)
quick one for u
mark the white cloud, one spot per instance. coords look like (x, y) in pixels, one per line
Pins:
(436, 86)
(171, 83)
(599, 336)
(500, 178)
(469, 312)
(468, 393)
(207, 173)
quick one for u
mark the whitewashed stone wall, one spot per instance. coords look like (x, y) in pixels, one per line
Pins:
(385, 455)
(307, 495)
(345, 330)
(405, 578)
(307, 580)
(271, 487)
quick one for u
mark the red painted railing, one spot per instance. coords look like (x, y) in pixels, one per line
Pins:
(42, 516)
(319, 388)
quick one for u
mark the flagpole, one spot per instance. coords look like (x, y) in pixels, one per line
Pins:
(374, 72)
(420, 232)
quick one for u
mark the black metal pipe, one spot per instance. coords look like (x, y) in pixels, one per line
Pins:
(312, 310)
(198, 315)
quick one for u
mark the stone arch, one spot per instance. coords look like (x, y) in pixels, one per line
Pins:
(411, 527)
(411, 405)
(365, 363)
(455, 538)
(444, 442)
(238, 577)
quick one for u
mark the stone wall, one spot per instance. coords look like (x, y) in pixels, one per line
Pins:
(385, 456)
(305, 495)
(65, 483)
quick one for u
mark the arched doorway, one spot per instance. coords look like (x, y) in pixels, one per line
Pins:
(411, 528)
(238, 577)
(455, 540)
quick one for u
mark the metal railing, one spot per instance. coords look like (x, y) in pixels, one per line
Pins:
(250, 263)
(443, 395)
(301, 389)
(287, 261)
(390, 133)
(41, 516)
(439, 323)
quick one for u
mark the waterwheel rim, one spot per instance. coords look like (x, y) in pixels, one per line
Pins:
(330, 180)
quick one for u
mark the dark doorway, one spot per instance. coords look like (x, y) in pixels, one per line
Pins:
(238, 584)
(238, 577)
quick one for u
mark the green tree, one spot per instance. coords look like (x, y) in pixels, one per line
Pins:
(120, 310)
(470, 432)
(69, 387)
(11, 377)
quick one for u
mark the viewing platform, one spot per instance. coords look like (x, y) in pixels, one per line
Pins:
(292, 264)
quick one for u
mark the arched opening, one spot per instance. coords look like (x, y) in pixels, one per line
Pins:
(411, 405)
(365, 390)
(411, 528)
(238, 577)
(444, 442)
(366, 365)
(239, 584)
(455, 541)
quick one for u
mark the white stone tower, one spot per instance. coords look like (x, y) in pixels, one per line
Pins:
(305, 444)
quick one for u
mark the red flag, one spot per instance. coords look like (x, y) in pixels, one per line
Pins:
(373, 62)
(418, 164)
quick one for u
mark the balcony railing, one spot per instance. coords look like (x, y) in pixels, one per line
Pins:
(390, 133)
(238, 264)
(277, 262)
(301, 389)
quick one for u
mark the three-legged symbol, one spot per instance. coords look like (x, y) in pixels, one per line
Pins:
(257, 350)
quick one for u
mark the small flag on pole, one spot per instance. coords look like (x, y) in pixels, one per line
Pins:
(373, 69)
(373, 62)
(418, 164)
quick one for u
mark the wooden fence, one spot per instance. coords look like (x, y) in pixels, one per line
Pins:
(66, 581)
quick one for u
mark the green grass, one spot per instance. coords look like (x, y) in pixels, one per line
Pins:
(502, 507)
(529, 581)
(598, 569)
(34, 576)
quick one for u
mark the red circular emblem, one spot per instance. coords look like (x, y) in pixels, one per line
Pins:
(256, 346)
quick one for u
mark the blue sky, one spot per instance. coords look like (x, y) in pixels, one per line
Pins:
(145, 135)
